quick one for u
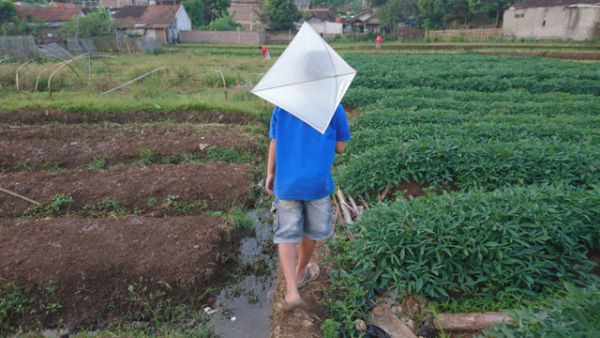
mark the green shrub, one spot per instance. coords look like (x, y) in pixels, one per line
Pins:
(14, 304)
(58, 205)
(147, 157)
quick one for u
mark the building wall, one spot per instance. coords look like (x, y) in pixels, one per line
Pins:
(326, 28)
(182, 20)
(245, 14)
(241, 37)
(552, 23)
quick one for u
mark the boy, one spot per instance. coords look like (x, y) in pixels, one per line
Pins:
(299, 176)
(265, 52)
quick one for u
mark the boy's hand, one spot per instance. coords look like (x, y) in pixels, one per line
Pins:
(269, 182)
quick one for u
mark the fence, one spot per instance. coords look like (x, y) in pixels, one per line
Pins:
(481, 34)
(241, 37)
(21, 47)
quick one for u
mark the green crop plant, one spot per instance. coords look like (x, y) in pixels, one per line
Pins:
(467, 163)
(574, 313)
(509, 242)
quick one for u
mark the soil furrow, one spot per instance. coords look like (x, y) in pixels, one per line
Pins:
(91, 262)
(147, 190)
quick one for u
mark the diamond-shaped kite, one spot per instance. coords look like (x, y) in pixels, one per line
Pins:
(308, 80)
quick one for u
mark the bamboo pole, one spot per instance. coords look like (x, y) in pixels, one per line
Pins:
(59, 68)
(17, 73)
(224, 84)
(20, 196)
(132, 81)
(89, 73)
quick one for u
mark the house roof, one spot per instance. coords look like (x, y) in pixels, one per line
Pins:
(154, 16)
(522, 4)
(50, 14)
(365, 18)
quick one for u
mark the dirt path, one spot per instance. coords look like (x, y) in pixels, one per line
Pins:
(305, 322)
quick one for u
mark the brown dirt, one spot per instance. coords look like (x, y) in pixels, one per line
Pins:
(44, 116)
(95, 260)
(220, 184)
(304, 322)
(68, 146)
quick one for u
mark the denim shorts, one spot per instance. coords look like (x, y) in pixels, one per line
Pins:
(296, 219)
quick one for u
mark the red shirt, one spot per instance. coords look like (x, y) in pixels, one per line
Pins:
(378, 40)
(264, 50)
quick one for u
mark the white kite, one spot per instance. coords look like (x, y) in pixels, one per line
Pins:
(308, 80)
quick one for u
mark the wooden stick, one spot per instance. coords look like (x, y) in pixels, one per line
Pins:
(345, 211)
(132, 81)
(354, 206)
(338, 213)
(19, 196)
(381, 197)
(473, 321)
(89, 73)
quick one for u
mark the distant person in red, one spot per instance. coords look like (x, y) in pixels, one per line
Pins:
(265, 52)
(378, 42)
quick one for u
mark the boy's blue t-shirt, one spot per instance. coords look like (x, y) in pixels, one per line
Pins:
(303, 156)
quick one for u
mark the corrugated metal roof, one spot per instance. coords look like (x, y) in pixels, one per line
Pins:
(522, 4)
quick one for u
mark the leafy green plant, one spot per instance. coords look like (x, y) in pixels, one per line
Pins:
(14, 304)
(57, 205)
(97, 163)
(177, 205)
(240, 218)
(106, 207)
(147, 157)
(572, 314)
(225, 155)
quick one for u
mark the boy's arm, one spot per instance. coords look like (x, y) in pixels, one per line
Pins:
(270, 181)
(339, 147)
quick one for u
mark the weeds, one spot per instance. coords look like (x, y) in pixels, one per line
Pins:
(58, 205)
(97, 163)
(105, 208)
(176, 205)
(147, 157)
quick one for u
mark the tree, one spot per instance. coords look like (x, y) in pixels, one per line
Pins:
(224, 22)
(95, 23)
(8, 11)
(280, 14)
(395, 11)
(212, 8)
(195, 9)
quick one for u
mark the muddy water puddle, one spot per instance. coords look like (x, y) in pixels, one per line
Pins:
(243, 309)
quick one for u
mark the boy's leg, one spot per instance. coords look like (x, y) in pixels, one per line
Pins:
(287, 261)
(288, 224)
(307, 247)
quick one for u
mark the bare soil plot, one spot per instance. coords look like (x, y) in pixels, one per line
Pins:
(144, 189)
(70, 146)
(94, 261)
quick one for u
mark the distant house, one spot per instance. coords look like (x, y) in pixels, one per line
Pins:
(323, 22)
(53, 16)
(155, 21)
(363, 22)
(125, 3)
(553, 20)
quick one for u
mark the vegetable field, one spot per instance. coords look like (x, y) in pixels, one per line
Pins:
(499, 161)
